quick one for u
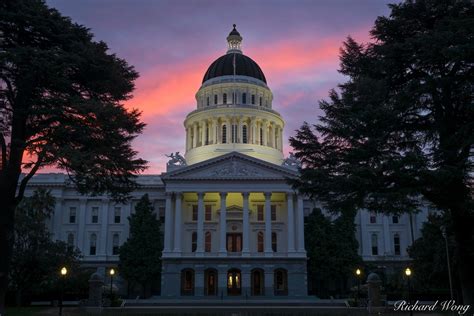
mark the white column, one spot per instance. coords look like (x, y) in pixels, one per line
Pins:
(82, 222)
(58, 219)
(195, 135)
(223, 225)
(177, 223)
(300, 224)
(291, 222)
(168, 224)
(200, 224)
(245, 224)
(104, 223)
(268, 224)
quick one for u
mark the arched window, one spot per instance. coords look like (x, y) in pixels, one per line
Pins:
(208, 242)
(234, 282)
(274, 242)
(70, 241)
(261, 136)
(210, 282)
(260, 242)
(93, 244)
(281, 282)
(257, 280)
(244, 134)
(194, 238)
(224, 98)
(244, 98)
(187, 282)
(396, 244)
(375, 247)
(115, 244)
(224, 134)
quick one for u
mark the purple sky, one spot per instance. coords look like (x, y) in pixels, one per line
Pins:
(171, 44)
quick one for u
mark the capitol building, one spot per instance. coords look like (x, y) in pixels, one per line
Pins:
(232, 224)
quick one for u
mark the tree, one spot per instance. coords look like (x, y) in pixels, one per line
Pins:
(61, 98)
(36, 258)
(332, 251)
(429, 256)
(399, 134)
(140, 255)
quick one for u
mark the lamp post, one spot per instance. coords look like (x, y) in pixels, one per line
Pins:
(445, 236)
(63, 272)
(111, 273)
(358, 274)
(408, 275)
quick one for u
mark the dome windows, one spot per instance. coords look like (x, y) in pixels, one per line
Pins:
(244, 98)
(224, 98)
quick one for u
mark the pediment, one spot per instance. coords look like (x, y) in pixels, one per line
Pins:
(232, 166)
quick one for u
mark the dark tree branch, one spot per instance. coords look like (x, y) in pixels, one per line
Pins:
(4, 152)
(24, 181)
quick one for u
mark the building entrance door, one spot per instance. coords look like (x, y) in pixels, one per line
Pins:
(234, 282)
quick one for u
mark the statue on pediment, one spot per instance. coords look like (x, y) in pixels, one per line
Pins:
(176, 160)
(292, 162)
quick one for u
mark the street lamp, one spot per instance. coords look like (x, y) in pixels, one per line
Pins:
(111, 273)
(408, 275)
(445, 235)
(358, 274)
(63, 273)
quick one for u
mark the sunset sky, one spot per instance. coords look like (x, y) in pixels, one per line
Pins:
(171, 44)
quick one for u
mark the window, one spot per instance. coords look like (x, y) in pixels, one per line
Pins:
(224, 98)
(70, 241)
(281, 282)
(244, 134)
(208, 214)
(207, 101)
(72, 215)
(253, 98)
(260, 213)
(375, 248)
(395, 219)
(274, 242)
(95, 215)
(234, 242)
(115, 244)
(396, 244)
(207, 136)
(207, 242)
(274, 212)
(93, 244)
(195, 213)
(373, 218)
(233, 98)
(234, 133)
(260, 101)
(215, 99)
(244, 98)
(194, 238)
(224, 134)
(260, 242)
(117, 214)
(261, 136)
(187, 282)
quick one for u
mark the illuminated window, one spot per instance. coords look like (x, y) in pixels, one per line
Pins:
(244, 134)
(115, 244)
(224, 134)
(244, 98)
(72, 215)
(95, 215)
(208, 213)
(375, 247)
(396, 244)
(224, 98)
(194, 238)
(93, 245)
(207, 242)
(260, 242)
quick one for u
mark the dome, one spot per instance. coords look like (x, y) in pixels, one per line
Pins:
(244, 66)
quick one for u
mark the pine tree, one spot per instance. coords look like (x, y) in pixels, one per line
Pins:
(140, 255)
(399, 134)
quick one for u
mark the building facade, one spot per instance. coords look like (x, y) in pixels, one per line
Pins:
(233, 226)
